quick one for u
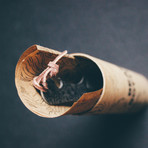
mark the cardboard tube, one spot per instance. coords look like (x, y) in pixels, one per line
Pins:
(120, 90)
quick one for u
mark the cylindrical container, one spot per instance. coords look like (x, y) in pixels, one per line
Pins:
(119, 90)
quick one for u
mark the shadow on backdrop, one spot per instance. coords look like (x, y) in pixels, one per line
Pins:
(111, 131)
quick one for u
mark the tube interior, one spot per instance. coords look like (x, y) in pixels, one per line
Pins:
(83, 78)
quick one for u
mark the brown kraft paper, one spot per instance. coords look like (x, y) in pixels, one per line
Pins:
(122, 90)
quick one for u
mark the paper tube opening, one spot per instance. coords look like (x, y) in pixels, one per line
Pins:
(71, 70)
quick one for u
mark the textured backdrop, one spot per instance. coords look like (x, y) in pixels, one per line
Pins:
(114, 30)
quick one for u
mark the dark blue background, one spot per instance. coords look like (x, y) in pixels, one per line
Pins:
(114, 30)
